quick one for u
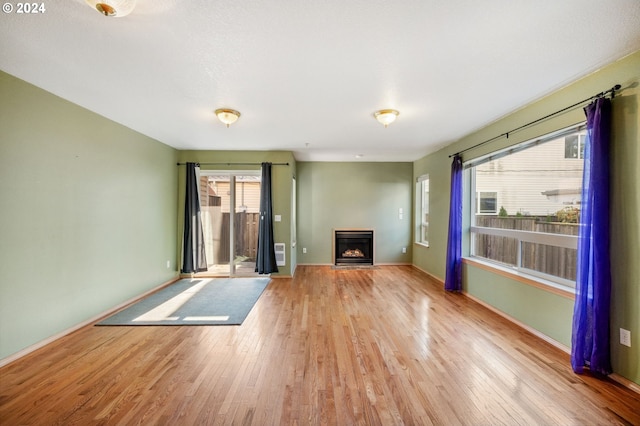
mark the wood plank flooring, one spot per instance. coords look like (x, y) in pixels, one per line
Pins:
(383, 346)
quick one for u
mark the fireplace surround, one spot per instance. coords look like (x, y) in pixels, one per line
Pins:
(353, 247)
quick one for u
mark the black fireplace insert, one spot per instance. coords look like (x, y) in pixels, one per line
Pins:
(353, 247)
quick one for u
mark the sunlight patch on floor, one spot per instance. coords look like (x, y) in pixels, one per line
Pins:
(208, 318)
(164, 311)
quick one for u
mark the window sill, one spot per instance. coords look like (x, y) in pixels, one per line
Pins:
(422, 244)
(521, 277)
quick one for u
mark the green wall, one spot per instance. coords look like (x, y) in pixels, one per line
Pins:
(432, 259)
(88, 216)
(354, 195)
(548, 313)
(91, 212)
(281, 189)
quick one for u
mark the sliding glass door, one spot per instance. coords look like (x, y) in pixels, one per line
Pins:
(230, 203)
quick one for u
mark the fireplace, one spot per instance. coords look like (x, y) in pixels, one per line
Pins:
(353, 247)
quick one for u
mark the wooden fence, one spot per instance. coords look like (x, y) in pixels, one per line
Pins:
(217, 236)
(556, 261)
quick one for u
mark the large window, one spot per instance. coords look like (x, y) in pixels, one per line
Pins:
(422, 214)
(526, 207)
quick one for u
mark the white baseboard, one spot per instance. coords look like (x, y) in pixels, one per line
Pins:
(92, 320)
(439, 280)
(315, 264)
(5, 361)
(615, 377)
(531, 330)
(506, 316)
(625, 382)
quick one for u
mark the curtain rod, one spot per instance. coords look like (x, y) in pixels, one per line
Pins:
(599, 95)
(234, 164)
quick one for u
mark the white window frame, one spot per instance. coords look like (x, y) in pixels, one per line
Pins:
(557, 240)
(232, 174)
(422, 210)
(581, 142)
(479, 200)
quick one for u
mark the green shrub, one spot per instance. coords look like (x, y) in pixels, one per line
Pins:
(568, 215)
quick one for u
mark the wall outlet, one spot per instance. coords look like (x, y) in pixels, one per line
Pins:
(304, 249)
(625, 337)
(168, 264)
(404, 249)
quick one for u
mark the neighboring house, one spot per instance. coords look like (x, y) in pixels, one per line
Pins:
(537, 181)
(567, 197)
(214, 191)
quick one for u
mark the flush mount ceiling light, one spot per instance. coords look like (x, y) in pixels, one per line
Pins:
(227, 116)
(386, 116)
(117, 8)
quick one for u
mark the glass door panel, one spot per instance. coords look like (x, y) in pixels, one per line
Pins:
(215, 199)
(246, 219)
(231, 240)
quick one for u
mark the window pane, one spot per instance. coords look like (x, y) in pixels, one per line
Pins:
(532, 224)
(556, 261)
(536, 190)
(245, 224)
(574, 146)
(537, 182)
(228, 199)
(425, 211)
(422, 213)
(571, 147)
(498, 249)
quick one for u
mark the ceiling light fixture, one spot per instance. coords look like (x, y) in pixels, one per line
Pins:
(117, 8)
(386, 116)
(227, 116)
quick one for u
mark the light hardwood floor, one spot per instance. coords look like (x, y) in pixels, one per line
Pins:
(379, 346)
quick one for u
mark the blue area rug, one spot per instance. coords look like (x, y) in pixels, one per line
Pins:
(209, 301)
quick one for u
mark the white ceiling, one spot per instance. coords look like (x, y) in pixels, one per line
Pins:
(308, 75)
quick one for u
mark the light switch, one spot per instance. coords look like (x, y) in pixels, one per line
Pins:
(277, 218)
